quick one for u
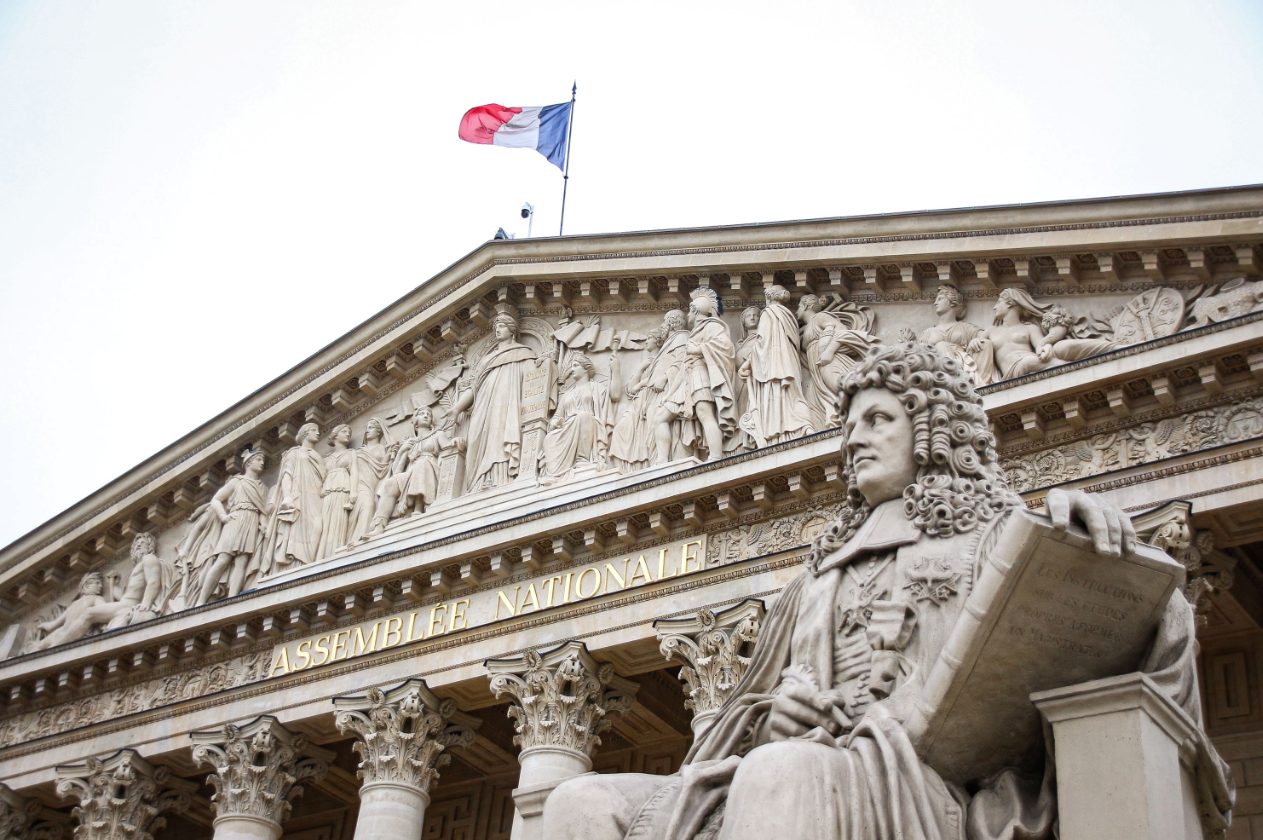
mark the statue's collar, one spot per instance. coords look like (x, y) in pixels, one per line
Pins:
(886, 529)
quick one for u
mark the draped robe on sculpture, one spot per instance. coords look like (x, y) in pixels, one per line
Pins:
(709, 368)
(293, 536)
(580, 429)
(776, 395)
(495, 419)
(631, 443)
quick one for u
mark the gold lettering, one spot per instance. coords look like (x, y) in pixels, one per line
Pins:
(549, 585)
(412, 625)
(578, 584)
(530, 599)
(641, 570)
(281, 662)
(436, 618)
(566, 599)
(502, 599)
(457, 614)
(685, 557)
(321, 648)
(302, 649)
(364, 644)
(611, 572)
(392, 632)
(339, 647)
(662, 564)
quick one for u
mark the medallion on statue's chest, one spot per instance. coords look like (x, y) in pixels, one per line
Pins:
(933, 579)
(862, 589)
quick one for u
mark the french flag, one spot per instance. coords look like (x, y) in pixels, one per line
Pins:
(543, 128)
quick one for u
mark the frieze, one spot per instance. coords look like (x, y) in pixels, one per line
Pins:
(1137, 445)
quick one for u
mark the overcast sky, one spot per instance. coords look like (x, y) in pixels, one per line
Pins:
(194, 196)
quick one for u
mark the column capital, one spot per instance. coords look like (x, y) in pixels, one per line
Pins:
(1170, 528)
(402, 733)
(122, 796)
(257, 767)
(715, 648)
(25, 819)
(561, 696)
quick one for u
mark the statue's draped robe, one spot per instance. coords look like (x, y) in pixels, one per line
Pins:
(859, 643)
(776, 395)
(581, 431)
(335, 502)
(293, 537)
(631, 443)
(495, 419)
(824, 376)
(707, 376)
(372, 464)
(952, 340)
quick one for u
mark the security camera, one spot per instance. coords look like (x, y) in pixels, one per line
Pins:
(527, 210)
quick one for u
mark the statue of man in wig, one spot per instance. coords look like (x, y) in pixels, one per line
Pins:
(811, 745)
(494, 402)
(702, 391)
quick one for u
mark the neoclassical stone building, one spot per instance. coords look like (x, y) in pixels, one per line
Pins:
(527, 522)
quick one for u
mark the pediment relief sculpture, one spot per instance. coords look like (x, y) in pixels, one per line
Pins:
(524, 401)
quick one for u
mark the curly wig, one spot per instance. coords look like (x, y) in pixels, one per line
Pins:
(959, 484)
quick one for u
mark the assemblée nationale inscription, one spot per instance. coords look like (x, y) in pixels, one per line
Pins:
(586, 582)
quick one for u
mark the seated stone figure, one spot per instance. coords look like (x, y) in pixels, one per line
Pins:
(811, 746)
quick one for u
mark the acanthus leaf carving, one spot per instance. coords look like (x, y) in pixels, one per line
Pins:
(121, 797)
(561, 697)
(402, 733)
(257, 767)
(715, 649)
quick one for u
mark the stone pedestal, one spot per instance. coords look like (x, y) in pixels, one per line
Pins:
(715, 648)
(561, 698)
(1124, 753)
(402, 734)
(257, 770)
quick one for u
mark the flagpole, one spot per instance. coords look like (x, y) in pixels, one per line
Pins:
(565, 173)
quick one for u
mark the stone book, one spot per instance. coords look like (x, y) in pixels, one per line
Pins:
(1045, 611)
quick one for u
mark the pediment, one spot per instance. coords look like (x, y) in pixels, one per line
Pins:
(1086, 281)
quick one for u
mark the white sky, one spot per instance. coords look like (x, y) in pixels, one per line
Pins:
(194, 196)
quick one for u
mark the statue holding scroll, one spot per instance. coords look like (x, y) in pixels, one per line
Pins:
(816, 742)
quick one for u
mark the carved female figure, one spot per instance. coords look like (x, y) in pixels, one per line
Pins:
(293, 529)
(335, 493)
(744, 437)
(833, 341)
(952, 335)
(774, 375)
(240, 506)
(413, 482)
(1014, 345)
(372, 465)
(579, 430)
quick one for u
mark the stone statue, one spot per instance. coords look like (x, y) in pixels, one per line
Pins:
(495, 404)
(372, 464)
(239, 508)
(834, 338)
(812, 744)
(777, 407)
(632, 444)
(145, 592)
(292, 536)
(98, 607)
(413, 482)
(335, 493)
(952, 335)
(1027, 336)
(702, 389)
(744, 437)
(1230, 299)
(579, 431)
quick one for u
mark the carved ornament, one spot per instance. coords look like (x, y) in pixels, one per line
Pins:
(715, 648)
(121, 797)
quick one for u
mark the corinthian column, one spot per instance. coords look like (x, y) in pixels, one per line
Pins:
(715, 648)
(401, 737)
(560, 700)
(121, 797)
(257, 768)
(20, 818)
